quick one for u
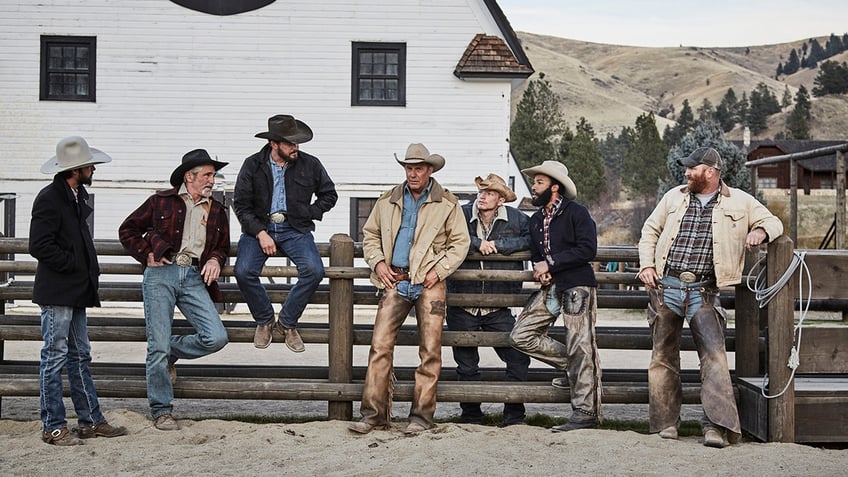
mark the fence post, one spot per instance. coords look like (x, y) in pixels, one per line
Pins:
(340, 347)
(781, 322)
(747, 313)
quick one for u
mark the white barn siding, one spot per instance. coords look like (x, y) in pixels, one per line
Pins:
(171, 79)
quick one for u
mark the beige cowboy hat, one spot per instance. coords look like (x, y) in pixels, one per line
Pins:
(284, 127)
(557, 171)
(416, 153)
(192, 159)
(496, 183)
(72, 153)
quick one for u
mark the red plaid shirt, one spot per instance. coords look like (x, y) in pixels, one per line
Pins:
(157, 227)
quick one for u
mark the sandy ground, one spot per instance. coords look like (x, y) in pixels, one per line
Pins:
(212, 446)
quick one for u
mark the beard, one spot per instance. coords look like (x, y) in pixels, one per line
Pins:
(697, 184)
(542, 199)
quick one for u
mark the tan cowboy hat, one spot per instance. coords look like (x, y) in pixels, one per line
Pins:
(284, 127)
(192, 159)
(72, 153)
(557, 171)
(496, 183)
(416, 153)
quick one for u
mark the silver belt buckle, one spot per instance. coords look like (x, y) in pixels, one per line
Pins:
(278, 218)
(687, 277)
(183, 259)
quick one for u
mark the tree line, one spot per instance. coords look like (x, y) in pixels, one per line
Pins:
(811, 55)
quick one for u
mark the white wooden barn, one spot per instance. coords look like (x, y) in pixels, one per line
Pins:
(148, 80)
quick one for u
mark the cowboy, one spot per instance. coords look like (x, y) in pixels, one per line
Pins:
(494, 228)
(181, 237)
(693, 243)
(563, 244)
(66, 283)
(273, 203)
(414, 238)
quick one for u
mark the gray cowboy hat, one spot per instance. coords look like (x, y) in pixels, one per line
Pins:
(496, 183)
(417, 153)
(284, 127)
(192, 159)
(557, 171)
(72, 153)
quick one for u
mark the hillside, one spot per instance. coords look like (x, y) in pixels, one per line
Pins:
(610, 85)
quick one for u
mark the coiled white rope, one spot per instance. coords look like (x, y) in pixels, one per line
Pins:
(764, 294)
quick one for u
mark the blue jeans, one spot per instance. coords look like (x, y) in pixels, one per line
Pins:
(163, 288)
(468, 359)
(301, 249)
(685, 302)
(66, 345)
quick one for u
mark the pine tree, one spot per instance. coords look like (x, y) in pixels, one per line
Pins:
(802, 101)
(645, 164)
(726, 112)
(831, 79)
(614, 151)
(538, 125)
(581, 154)
(787, 98)
(706, 112)
(793, 63)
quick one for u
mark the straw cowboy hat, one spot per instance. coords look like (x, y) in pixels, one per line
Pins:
(416, 153)
(192, 159)
(496, 183)
(557, 171)
(284, 127)
(72, 153)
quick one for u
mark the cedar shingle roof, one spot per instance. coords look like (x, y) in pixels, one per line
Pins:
(488, 56)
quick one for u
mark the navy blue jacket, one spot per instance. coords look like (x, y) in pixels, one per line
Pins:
(304, 177)
(510, 236)
(67, 272)
(574, 244)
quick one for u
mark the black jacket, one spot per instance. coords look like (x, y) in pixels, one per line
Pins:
(510, 236)
(67, 272)
(304, 177)
(574, 244)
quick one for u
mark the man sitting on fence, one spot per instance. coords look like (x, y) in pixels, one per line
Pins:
(415, 238)
(66, 282)
(692, 243)
(181, 236)
(563, 244)
(494, 228)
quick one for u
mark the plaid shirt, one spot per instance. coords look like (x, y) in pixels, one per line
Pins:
(692, 250)
(157, 227)
(548, 215)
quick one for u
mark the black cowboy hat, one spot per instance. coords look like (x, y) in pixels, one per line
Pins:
(192, 159)
(284, 127)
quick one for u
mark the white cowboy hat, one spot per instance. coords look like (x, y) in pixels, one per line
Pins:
(417, 153)
(557, 171)
(72, 153)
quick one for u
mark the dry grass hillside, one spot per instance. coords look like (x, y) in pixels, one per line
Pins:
(611, 85)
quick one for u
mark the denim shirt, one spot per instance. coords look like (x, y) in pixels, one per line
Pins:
(409, 219)
(278, 196)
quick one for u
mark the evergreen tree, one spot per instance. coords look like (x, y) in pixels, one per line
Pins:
(580, 152)
(831, 79)
(793, 63)
(645, 165)
(614, 151)
(833, 46)
(706, 112)
(757, 113)
(779, 70)
(817, 54)
(787, 98)
(538, 125)
(797, 125)
(685, 123)
(726, 112)
(802, 101)
(742, 109)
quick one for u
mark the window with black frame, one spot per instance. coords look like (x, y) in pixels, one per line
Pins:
(378, 74)
(360, 209)
(68, 68)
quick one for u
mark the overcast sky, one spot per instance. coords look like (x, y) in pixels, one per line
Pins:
(679, 22)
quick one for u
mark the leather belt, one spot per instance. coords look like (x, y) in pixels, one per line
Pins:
(185, 260)
(401, 273)
(689, 277)
(277, 218)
